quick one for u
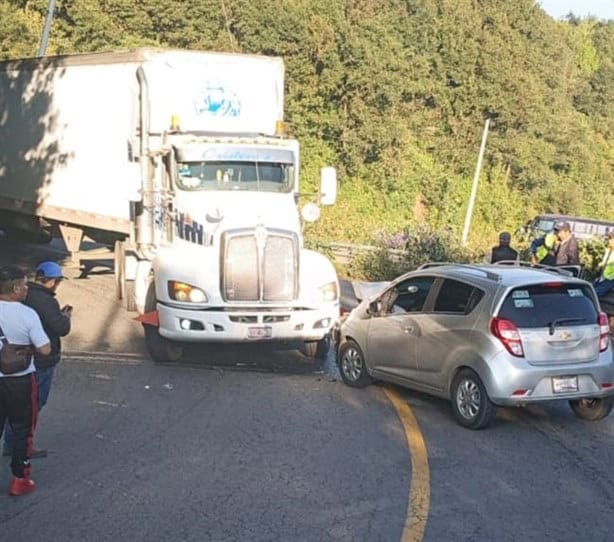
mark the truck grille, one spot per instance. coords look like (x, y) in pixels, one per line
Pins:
(259, 265)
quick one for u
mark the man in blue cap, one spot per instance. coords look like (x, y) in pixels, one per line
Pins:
(56, 323)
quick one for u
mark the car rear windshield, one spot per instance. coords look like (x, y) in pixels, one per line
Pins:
(548, 304)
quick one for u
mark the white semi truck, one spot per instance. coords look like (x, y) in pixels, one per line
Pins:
(178, 160)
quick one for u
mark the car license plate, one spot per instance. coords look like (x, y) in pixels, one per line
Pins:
(261, 332)
(564, 384)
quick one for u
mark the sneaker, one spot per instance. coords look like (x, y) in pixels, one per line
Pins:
(21, 486)
(36, 454)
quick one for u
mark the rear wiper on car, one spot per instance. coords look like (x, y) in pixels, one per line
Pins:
(552, 325)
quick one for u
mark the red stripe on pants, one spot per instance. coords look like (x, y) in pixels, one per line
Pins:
(30, 437)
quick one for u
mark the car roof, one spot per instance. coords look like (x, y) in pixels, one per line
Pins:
(490, 275)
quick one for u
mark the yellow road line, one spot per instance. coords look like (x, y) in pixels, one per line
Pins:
(420, 490)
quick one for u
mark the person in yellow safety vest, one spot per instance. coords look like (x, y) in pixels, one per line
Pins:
(543, 249)
(605, 282)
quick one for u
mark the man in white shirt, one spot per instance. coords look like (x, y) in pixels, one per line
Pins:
(20, 326)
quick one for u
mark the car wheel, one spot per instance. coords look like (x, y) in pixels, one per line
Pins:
(352, 365)
(470, 403)
(592, 409)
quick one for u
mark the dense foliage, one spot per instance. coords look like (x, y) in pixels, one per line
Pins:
(395, 94)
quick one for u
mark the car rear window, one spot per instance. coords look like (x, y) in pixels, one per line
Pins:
(544, 304)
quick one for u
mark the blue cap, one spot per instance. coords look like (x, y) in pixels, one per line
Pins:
(49, 270)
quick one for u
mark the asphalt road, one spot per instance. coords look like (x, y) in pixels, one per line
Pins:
(143, 452)
(254, 444)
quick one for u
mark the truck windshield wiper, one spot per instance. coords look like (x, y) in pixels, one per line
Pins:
(552, 325)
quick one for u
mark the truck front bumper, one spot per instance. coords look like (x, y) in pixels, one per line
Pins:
(178, 324)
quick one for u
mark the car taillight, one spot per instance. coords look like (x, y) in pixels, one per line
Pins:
(507, 332)
(604, 331)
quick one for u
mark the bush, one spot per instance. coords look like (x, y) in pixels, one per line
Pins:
(408, 249)
(591, 253)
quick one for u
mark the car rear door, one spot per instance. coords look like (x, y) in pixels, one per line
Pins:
(557, 322)
(445, 331)
(392, 334)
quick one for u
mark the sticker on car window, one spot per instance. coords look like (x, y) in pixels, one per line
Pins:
(520, 294)
(575, 292)
(523, 303)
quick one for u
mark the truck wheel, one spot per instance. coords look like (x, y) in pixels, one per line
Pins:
(317, 349)
(118, 268)
(470, 403)
(159, 349)
(124, 288)
(130, 295)
(592, 409)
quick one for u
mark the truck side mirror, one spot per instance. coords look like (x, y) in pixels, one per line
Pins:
(328, 186)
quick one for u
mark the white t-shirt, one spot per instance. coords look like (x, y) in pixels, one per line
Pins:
(21, 325)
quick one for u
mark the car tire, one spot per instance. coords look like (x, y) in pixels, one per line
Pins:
(317, 349)
(470, 402)
(592, 409)
(352, 365)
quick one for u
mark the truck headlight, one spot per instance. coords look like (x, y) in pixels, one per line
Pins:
(329, 292)
(186, 293)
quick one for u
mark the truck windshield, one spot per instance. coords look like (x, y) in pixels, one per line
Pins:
(225, 175)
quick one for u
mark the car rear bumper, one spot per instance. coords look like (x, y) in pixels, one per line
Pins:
(519, 383)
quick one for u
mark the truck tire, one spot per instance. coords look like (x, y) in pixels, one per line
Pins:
(124, 288)
(119, 268)
(317, 349)
(160, 350)
(130, 296)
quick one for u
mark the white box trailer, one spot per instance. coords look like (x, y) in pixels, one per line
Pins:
(177, 158)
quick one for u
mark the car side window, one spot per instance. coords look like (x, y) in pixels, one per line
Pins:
(408, 296)
(457, 297)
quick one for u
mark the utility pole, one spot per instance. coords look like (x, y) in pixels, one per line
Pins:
(47, 29)
(474, 188)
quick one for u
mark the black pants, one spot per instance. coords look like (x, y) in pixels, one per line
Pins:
(18, 405)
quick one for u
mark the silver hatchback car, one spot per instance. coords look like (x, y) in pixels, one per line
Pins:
(482, 336)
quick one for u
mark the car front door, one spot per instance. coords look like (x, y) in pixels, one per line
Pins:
(394, 327)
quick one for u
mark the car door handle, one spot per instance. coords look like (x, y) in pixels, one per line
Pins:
(409, 329)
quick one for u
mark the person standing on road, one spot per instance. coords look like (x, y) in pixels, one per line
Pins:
(21, 326)
(567, 252)
(503, 251)
(56, 323)
(605, 282)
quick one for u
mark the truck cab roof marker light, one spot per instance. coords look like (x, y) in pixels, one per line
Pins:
(280, 128)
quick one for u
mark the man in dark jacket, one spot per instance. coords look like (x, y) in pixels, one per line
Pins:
(503, 251)
(567, 251)
(56, 323)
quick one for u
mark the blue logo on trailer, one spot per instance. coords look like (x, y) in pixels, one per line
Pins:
(218, 101)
